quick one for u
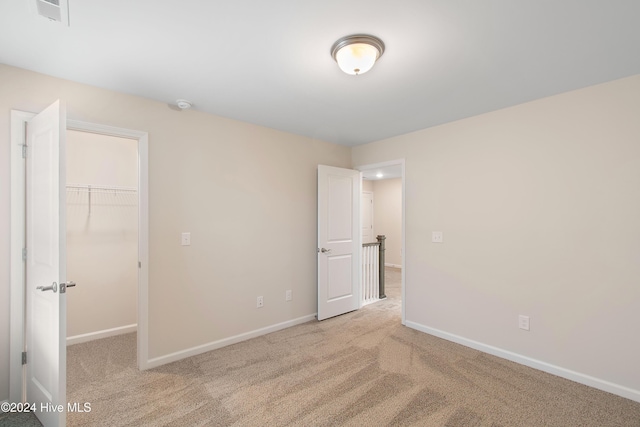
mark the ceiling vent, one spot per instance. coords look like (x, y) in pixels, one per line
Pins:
(54, 10)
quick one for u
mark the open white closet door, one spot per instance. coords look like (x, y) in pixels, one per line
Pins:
(46, 265)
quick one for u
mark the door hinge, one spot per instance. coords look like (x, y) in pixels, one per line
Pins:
(24, 254)
(139, 264)
(24, 357)
(24, 151)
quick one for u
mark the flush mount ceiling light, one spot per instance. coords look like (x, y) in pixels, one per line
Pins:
(357, 53)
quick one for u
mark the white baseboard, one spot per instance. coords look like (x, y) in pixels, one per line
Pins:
(77, 339)
(194, 351)
(386, 264)
(578, 377)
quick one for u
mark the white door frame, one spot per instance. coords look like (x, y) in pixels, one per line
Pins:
(401, 163)
(17, 391)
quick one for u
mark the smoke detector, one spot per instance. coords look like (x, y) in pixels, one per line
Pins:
(183, 104)
(54, 10)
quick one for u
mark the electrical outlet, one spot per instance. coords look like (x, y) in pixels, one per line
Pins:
(523, 322)
(186, 239)
(287, 296)
(260, 302)
(436, 237)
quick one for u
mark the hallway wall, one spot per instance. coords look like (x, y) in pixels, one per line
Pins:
(387, 211)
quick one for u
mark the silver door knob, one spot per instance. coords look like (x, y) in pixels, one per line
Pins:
(53, 287)
(325, 251)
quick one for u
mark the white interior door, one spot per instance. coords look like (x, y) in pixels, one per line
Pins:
(339, 192)
(46, 265)
(367, 217)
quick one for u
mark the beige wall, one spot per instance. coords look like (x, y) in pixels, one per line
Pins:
(540, 208)
(387, 217)
(102, 244)
(238, 188)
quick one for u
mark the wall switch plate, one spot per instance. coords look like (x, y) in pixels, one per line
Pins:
(260, 302)
(186, 239)
(436, 237)
(523, 322)
(287, 295)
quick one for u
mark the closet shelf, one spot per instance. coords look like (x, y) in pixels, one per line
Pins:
(95, 189)
(101, 188)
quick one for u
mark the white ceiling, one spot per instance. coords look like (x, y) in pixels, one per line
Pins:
(268, 62)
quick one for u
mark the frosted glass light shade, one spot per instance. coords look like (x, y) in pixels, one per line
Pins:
(357, 58)
(356, 54)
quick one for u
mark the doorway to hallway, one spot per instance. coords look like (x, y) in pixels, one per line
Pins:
(384, 182)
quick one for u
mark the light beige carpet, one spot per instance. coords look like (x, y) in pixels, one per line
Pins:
(360, 369)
